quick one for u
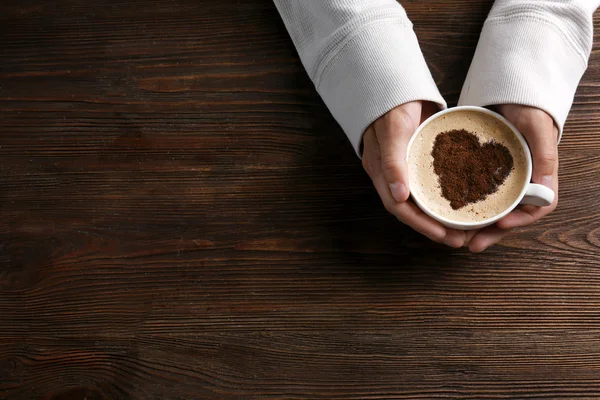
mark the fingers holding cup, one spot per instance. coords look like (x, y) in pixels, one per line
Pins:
(541, 134)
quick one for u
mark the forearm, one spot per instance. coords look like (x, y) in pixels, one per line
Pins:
(532, 52)
(362, 56)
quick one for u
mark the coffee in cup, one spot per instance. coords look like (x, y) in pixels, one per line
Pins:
(469, 167)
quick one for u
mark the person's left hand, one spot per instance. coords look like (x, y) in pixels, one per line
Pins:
(384, 159)
(542, 136)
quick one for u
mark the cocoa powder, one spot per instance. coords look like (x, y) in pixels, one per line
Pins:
(469, 171)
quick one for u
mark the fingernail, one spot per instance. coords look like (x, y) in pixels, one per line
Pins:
(454, 241)
(451, 243)
(399, 191)
(547, 181)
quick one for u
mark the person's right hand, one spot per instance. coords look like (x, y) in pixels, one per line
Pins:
(384, 158)
(541, 134)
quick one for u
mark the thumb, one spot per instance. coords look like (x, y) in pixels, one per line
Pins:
(393, 132)
(544, 151)
(541, 135)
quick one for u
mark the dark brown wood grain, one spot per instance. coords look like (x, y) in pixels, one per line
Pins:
(181, 218)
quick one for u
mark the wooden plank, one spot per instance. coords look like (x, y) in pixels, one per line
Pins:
(183, 219)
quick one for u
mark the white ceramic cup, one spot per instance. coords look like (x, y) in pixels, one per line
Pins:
(532, 193)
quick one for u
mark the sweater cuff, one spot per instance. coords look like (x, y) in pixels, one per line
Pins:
(525, 60)
(380, 67)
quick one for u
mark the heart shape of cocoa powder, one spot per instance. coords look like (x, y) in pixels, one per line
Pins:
(469, 171)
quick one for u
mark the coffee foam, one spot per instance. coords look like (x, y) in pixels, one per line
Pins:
(424, 182)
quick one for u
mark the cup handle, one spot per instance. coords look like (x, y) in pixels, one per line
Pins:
(538, 195)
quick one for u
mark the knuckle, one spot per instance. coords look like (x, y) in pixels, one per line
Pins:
(396, 120)
(389, 164)
(535, 114)
(547, 157)
(533, 121)
(399, 118)
(540, 114)
(531, 117)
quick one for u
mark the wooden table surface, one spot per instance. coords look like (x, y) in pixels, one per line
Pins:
(181, 218)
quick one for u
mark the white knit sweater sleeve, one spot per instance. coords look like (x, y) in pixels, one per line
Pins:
(362, 56)
(532, 52)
